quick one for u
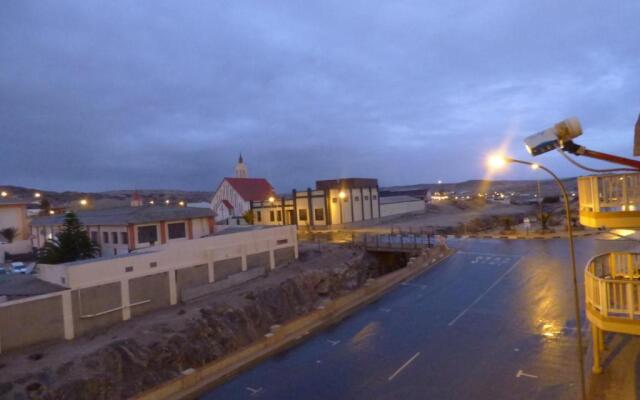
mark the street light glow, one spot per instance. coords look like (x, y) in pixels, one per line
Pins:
(496, 161)
(342, 194)
(4, 194)
(271, 199)
(181, 203)
(37, 195)
(84, 202)
(535, 166)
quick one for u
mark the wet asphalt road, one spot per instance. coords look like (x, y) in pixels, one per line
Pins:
(495, 321)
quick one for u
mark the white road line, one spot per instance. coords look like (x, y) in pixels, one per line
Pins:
(333, 342)
(521, 374)
(254, 391)
(478, 253)
(485, 292)
(405, 365)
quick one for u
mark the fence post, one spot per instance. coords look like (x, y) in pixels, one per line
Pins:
(604, 298)
(630, 303)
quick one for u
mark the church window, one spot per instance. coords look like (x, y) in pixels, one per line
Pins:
(259, 216)
(272, 216)
(319, 214)
(279, 216)
(303, 214)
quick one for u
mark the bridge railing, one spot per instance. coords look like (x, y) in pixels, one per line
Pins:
(394, 241)
(612, 285)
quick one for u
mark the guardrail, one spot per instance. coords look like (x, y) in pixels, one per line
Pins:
(612, 285)
(610, 200)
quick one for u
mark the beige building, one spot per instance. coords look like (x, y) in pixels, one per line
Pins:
(333, 202)
(13, 214)
(125, 229)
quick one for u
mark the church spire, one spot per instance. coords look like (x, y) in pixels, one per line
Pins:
(241, 168)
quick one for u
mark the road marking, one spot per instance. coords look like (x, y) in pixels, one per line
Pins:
(405, 365)
(387, 310)
(333, 342)
(521, 374)
(485, 292)
(254, 391)
(477, 253)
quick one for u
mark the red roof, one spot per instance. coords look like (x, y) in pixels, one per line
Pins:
(251, 189)
(227, 204)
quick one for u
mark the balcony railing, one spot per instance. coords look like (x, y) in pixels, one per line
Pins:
(612, 201)
(612, 285)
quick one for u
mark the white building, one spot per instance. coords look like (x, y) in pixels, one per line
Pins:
(125, 229)
(13, 214)
(233, 196)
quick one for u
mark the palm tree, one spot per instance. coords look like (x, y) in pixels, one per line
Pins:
(9, 234)
(72, 243)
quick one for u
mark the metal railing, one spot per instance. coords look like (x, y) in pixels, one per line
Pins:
(614, 192)
(612, 285)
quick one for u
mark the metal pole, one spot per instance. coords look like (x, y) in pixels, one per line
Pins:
(576, 296)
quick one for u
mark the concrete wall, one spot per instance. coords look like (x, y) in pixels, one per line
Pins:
(107, 291)
(191, 277)
(402, 208)
(26, 322)
(154, 288)
(283, 256)
(96, 307)
(258, 260)
(16, 247)
(223, 269)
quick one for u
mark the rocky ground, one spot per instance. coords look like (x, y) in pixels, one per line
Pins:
(133, 356)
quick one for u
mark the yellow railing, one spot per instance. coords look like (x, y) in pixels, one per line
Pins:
(610, 200)
(612, 285)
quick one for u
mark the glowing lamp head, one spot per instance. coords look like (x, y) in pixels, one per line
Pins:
(497, 161)
(51, 212)
(181, 203)
(167, 201)
(37, 195)
(271, 199)
(84, 202)
(342, 194)
(4, 194)
(535, 166)
(152, 202)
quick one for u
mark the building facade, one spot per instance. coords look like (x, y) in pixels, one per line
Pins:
(125, 229)
(333, 202)
(13, 214)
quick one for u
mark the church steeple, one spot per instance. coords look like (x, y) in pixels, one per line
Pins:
(241, 168)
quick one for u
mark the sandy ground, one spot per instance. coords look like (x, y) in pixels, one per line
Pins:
(149, 327)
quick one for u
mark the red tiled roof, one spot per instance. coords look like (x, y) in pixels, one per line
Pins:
(251, 189)
(227, 204)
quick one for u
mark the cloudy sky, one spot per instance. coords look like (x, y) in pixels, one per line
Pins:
(153, 94)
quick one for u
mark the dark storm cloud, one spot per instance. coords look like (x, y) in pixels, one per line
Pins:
(101, 95)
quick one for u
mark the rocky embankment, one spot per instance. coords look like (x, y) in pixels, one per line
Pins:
(196, 334)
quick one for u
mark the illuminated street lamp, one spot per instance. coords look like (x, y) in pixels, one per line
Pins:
(342, 194)
(152, 202)
(272, 199)
(181, 203)
(37, 195)
(4, 194)
(51, 212)
(84, 202)
(498, 161)
(167, 201)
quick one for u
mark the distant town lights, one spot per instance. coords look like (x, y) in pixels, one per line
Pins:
(4, 194)
(152, 202)
(37, 195)
(181, 203)
(84, 202)
(51, 212)
(167, 201)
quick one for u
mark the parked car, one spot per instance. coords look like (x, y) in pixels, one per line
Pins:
(18, 268)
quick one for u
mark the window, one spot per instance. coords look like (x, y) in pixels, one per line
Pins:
(128, 269)
(319, 214)
(356, 198)
(153, 264)
(366, 198)
(374, 197)
(282, 241)
(334, 200)
(272, 216)
(105, 237)
(125, 237)
(346, 199)
(177, 230)
(279, 216)
(303, 215)
(147, 234)
(259, 216)
(94, 237)
(114, 237)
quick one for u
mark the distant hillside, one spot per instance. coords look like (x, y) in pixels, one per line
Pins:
(478, 185)
(106, 199)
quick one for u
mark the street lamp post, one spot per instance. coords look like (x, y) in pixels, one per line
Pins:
(497, 161)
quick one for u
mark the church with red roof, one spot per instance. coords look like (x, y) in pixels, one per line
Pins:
(233, 196)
